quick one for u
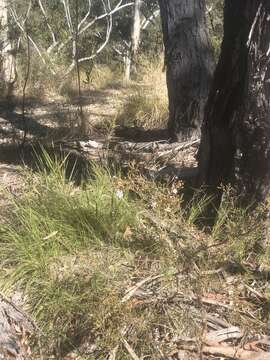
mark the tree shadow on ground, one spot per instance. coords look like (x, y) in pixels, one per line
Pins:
(89, 97)
(138, 134)
(34, 156)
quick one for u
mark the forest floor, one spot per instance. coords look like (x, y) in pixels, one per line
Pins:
(55, 117)
(124, 265)
(54, 120)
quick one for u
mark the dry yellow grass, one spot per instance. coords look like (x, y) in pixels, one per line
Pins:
(147, 103)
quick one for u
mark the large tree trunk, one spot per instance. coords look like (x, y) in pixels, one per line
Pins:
(235, 144)
(8, 65)
(189, 63)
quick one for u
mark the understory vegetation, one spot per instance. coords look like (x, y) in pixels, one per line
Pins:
(104, 249)
(121, 261)
(147, 104)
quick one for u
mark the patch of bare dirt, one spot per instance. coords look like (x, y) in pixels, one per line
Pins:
(99, 107)
(11, 178)
(56, 118)
(11, 182)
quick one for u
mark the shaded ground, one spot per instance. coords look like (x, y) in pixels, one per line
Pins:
(58, 118)
(12, 185)
(56, 121)
(10, 177)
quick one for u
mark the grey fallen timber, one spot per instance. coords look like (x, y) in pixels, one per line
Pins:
(154, 159)
(145, 147)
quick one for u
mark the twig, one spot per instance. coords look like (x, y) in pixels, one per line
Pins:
(112, 355)
(132, 291)
(78, 71)
(24, 89)
(260, 296)
(130, 350)
(253, 25)
(113, 352)
(232, 332)
(135, 288)
(216, 323)
(182, 146)
(203, 300)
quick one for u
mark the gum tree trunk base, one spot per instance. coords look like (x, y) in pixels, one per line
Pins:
(235, 145)
(189, 65)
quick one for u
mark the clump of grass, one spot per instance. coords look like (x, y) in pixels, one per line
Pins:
(144, 109)
(98, 77)
(55, 223)
(147, 105)
(239, 229)
(103, 77)
(74, 252)
(69, 89)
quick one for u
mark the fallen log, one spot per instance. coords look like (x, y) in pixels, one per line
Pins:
(172, 172)
(155, 160)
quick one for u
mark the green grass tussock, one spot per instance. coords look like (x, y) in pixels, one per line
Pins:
(74, 253)
(55, 224)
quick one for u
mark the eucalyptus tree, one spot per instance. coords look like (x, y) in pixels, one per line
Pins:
(189, 64)
(8, 64)
(235, 145)
(58, 30)
(135, 38)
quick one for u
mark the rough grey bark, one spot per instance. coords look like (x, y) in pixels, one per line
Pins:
(235, 144)
(8, 65)
(189, 63)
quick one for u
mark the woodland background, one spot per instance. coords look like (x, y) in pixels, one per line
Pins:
(107, 251)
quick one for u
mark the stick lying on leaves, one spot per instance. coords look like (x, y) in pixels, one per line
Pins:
(216, 349)
(131, 352)
(217, 336)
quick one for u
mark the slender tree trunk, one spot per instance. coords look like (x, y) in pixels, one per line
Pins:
(136, 30)
(127, 64)
(131, 58)
(235, 144)
(8, 65)
(189, 63)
